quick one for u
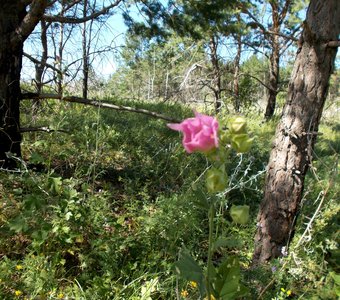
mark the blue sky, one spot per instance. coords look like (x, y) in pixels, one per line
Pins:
(110, 33)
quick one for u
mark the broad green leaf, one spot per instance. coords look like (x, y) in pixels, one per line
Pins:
(229, 242)
(70, 193)
(148, 288)
(36, 158)
(65, 229)
(55, 184)
(32, 202)
(188, 269)
(336, 277)
(200, 199)
(18, 224)
(230, 289)
(40, 235)
(227, 280)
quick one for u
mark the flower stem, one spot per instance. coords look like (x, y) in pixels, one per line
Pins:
(210, 241)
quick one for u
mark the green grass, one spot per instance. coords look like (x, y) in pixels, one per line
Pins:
(101, 212)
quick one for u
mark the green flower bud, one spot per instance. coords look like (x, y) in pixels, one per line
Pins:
(237, 125)
(216, 180)
(240, 214)
(241, 142)
(225, 138)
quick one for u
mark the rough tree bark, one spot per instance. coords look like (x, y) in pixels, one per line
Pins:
(15, 25)
(297, 130)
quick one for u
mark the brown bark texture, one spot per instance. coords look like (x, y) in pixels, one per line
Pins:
(15, 25)
(11, 15)
(297, 130)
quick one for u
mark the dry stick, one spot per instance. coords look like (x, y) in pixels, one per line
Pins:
(36, 61)
(43, 129)
(97, 103)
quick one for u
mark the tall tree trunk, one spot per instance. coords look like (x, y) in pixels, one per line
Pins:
(85, 54)
(274, 66)
(60, 75)
(273, 83)
(216, 86)
(15, 26)
(11, 15)
(40, 67)
(236, 91)
(297, 130)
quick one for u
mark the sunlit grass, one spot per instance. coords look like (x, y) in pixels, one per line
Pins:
(101, 211)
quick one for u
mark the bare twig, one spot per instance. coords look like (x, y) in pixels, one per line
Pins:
(187, 75)
(73, 20)
(36, 61)
(259, 80)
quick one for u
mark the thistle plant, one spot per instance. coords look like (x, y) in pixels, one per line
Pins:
(203, 134)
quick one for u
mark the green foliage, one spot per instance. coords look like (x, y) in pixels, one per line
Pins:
(101, 212)
(188, 269)
(154, 70)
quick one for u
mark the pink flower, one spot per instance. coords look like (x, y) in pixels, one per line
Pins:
(200, 133)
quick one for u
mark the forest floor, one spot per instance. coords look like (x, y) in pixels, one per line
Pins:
(101, 209)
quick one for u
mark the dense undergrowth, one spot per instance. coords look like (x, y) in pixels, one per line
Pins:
(100, 211)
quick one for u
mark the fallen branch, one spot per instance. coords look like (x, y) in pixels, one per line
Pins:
(97, 103)
(44, 129)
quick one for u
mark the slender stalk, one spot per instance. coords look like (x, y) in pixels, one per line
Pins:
(210, 241)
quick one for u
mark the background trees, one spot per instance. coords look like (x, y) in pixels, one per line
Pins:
(19, 20)
(275, 27)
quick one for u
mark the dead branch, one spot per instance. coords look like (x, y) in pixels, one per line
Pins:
(73, 20)
(43, 129)
(97, 103)
(36, 61)
(258, 80)
(188, 73)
